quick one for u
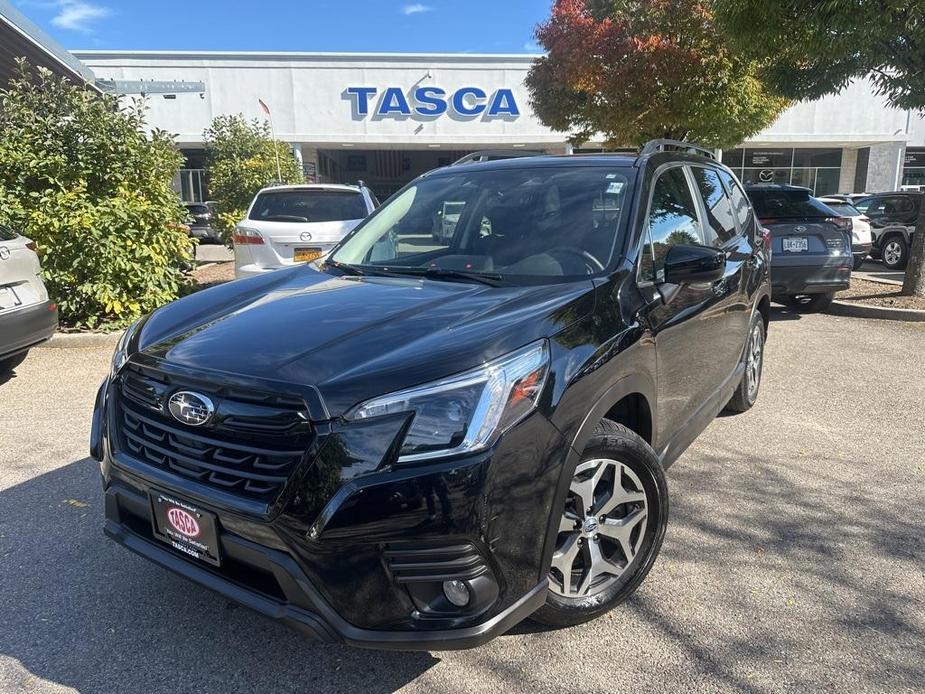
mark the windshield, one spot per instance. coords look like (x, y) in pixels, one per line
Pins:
(309, 205)
(539, 223)
(197, 209)
(782, 204)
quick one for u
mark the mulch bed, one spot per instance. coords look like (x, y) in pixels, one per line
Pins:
(213, 274)
(879, 294)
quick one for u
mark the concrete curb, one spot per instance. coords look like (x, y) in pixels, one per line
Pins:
(878, 280)
(853, 310)
(81, 340)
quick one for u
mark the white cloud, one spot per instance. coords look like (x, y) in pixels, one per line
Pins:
(533, 47)
(78, 15)
(416, 8)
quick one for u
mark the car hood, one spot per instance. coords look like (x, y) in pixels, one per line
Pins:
(352, 338)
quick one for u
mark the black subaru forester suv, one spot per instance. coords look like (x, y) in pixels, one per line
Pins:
(417, 444)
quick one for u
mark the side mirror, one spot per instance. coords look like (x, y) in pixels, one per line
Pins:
(694, 263)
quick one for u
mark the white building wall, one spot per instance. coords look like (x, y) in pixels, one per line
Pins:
(306, 92)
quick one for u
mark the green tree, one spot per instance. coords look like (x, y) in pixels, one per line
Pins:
(635, 70)
(242, 159)
(80, 177)
(809, 49)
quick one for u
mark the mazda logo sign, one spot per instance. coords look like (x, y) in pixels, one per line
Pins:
(305, 236)
(4, 252)
(190, 408)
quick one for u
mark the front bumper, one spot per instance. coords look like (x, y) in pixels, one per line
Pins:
(355, 551)
(26, 327)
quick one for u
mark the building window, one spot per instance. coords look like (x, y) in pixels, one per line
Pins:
(914, 167)
(190, 185)
(818, 169)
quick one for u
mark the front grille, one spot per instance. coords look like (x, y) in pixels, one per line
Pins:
(250, 449)
(413, 563)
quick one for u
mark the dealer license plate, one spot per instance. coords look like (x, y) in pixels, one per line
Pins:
(306, 255)
(796, 244)
(185, 527)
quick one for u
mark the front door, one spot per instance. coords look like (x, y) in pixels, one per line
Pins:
(695, 324)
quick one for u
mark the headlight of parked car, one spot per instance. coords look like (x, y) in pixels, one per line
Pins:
(120, 356)
(467, 412)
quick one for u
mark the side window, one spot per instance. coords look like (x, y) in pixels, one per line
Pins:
(739, 200)
(672, 221)
(715, 201)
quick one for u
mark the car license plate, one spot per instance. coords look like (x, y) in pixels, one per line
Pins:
(185, 527)
(306, 255)
(796, 244)
(8, 298)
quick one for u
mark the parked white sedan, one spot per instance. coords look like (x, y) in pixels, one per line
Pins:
(286, 225)
(27, 316)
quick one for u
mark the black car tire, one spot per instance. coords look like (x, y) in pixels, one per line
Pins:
(745, 395)
(615, 442)
(893, 260)
(9, 363)
(811, 303)
(858, 262)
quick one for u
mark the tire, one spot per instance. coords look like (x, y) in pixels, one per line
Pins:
(746, 392)
(858, 262)
(895, 252)
(811, 303)
(613, 448)
(10, 363)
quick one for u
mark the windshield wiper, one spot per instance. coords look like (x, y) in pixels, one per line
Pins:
(490, 278)
(344, 267)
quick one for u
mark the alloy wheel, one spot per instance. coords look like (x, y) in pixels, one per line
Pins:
(892, 253)
(754, 361)
(601, 529)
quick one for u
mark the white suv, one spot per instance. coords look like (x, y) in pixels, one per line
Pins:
(297, 224)
(27, 317)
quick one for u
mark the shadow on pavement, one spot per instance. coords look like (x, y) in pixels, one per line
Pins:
(849, 551)
(83, 612)
(784, 313)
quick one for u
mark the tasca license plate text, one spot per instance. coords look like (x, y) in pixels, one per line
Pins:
(796, 244)
(185, 527)
(306, 255)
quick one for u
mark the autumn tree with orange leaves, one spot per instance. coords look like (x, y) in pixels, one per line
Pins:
(634, 70)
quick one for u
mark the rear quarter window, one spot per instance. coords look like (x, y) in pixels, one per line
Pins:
(308, 206)
(7, 234)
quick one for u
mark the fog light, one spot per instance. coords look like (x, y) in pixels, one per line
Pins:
(456, 592)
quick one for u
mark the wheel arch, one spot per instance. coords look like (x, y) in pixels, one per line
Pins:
(627, 398)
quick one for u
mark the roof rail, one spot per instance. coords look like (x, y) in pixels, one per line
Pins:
(495, 154)
(664, 145)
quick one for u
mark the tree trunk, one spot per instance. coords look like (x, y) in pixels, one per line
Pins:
(914, 284)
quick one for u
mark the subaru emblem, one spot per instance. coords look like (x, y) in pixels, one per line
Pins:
(190, 408)
(305, 236)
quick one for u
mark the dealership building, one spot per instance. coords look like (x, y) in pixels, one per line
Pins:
(386, 118)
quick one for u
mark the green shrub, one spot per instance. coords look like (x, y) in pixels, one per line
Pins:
(242, 159)
(80, 177)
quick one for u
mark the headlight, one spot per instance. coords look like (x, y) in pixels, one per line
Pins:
(120, 356)
(468, 412)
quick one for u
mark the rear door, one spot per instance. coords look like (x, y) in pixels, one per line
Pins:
(723, 231)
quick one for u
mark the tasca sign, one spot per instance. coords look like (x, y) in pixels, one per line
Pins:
(426, 103)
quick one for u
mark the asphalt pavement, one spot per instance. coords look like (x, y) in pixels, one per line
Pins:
(794, 559)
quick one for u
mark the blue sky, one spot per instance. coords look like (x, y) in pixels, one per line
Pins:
(464, 26)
